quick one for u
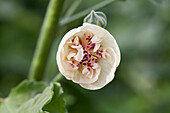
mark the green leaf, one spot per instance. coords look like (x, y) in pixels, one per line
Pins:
(22, 93)
(31, 97)
(57, 103)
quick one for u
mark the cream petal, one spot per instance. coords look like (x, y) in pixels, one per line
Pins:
(76, 47)
(76, 40)
(97, 68)
(106, 75)
(70, 55)
(109, 56)
(59, 57)
(70, 66)
(85, 71)
(86, 79)
(88, 73)
(95, 65)
(95, 39)
(80, 78)
(79, 55)
(107, 39)
(66, 71)
(70, 40)
(96, 47)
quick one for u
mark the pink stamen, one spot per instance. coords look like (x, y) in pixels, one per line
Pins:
(88, 38)
(93, 45)
(97, 52)
(85, 52)
(95, 61)
(84, 63)
(100, 55)
(88, 68)
(85, 56)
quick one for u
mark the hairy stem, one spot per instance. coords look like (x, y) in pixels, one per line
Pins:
(46, 37)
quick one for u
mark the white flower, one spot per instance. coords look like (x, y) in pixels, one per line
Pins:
(88, 55)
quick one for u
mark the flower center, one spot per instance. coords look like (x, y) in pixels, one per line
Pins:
(85, 50)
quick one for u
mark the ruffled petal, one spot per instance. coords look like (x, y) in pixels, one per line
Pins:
(60, 56)
(76, 40)
(106, 75)
(71, 55)
(96, 39)
(91, 77)
(96, 47)
(79, 55)
(107, 39)
(88, 72)
(109, 56)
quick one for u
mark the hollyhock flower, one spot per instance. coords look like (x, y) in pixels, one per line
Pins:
(88, 55)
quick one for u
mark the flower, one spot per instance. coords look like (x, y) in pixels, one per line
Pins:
(88, 55)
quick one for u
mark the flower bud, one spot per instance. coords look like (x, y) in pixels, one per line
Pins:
(97, 18)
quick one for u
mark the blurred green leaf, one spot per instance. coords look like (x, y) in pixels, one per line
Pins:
(156, 2)
(74, 17)
(72, 8)
(31, 97)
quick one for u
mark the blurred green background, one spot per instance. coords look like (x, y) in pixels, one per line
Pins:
(142, 30)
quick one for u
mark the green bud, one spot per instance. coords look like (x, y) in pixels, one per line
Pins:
(98, 18)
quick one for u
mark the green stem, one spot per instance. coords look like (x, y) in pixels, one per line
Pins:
(46, 37)
(57, 77)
